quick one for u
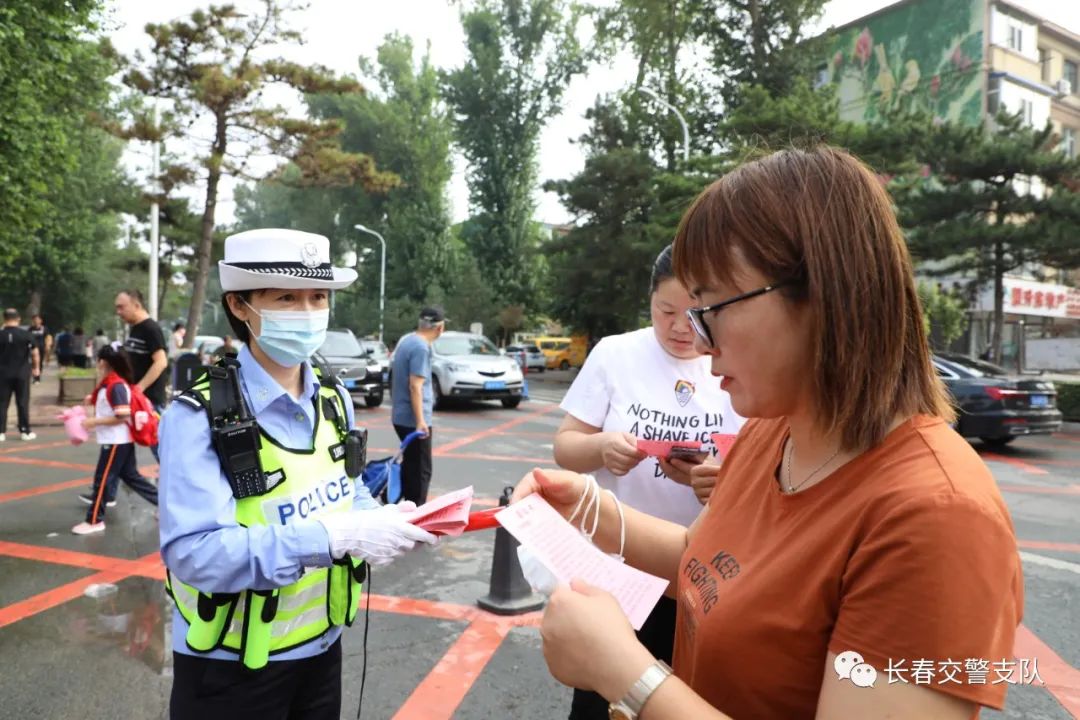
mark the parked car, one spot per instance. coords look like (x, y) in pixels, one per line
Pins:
(361, 374)
(995, 405)
(535, 360)
(464, 365)
(376, 349)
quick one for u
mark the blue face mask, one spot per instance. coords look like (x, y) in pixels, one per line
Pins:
(289, 337)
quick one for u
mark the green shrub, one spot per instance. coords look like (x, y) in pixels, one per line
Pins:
(1069, 400)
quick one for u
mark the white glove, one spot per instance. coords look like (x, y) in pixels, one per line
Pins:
(375, 536)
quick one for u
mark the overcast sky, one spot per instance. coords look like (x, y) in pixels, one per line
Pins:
(338, 31)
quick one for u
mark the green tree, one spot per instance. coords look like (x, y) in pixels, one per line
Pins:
(661, 35)
(521, 57)
(763, 43)
(995, 202)
(944, 314)
(212, 69)
(600, 269)
(404, 123)
(408, 127)
(42, 81)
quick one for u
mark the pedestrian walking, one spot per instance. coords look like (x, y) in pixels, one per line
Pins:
(176, 341)
(78, 348)
(413, 401)
(65, 352)
(99, 341)
(145, 347)
(43, 339)
(19, 363)
(109, 418)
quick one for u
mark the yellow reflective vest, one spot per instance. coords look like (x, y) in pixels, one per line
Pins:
(259, 623)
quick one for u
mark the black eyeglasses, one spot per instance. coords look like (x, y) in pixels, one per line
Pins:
(697, 315)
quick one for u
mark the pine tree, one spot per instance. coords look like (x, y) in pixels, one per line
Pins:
(994, 202)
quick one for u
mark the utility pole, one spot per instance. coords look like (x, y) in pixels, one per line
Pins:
(155, 170)
(382, 275)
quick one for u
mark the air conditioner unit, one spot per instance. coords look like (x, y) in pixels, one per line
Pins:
(1064, 87)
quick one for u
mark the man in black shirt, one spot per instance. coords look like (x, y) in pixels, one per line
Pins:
(145, 346)
(42, 340)
(19, 358)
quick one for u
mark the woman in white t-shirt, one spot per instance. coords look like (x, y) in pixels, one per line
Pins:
(649, 384)
(111, 413)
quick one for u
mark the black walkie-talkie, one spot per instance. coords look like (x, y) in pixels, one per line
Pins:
(236, 434)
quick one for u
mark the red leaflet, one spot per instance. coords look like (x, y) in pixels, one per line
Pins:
(664, 448)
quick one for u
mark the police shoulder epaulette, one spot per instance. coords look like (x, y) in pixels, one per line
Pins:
(189, 400)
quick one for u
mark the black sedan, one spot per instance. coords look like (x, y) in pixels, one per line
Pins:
(995, 405)
(361, 374)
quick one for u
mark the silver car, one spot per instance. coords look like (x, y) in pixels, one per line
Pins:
(535, 359)
(468, 366)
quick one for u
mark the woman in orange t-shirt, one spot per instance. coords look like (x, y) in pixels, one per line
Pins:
(855, 559)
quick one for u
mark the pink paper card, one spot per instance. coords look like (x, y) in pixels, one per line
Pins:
(666, 448)
(723, 444)
(445, 515)
(568, 555)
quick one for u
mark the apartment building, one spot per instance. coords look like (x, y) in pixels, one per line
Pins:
(964, 61)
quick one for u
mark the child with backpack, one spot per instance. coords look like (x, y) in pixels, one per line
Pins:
(121, 415)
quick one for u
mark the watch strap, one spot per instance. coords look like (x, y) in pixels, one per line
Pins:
(646, 685)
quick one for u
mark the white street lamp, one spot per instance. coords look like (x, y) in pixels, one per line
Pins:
(682, 121)
(382, 275)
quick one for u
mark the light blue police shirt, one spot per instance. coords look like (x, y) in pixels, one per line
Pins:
(201, 542)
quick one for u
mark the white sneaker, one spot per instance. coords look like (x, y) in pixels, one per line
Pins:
(29, 436)
(3, 437)
(85, 528)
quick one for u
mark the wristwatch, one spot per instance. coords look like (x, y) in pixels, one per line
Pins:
(630, 705)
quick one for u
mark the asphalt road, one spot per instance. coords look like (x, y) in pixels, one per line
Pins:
(84, 624)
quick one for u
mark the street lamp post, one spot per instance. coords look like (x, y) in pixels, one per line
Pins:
(382, 275)
(682, 121)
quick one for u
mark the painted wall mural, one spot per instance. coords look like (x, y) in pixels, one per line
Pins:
(926, 55)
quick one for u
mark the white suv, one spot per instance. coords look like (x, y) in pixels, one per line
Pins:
(469, 366)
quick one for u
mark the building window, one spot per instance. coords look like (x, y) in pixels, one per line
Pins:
(1070, 75)
(1068, 142)
(1026, 109)
(821, 77)
(1016, 38)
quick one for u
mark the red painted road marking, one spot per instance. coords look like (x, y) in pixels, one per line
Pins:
(44, 489)
(440, 693)
(46, 463)
(148, 565)
(1041, 545)
(58, 596)
(500, 458)
(1041, 490)
(35, 446)
(1018, 464)
(62, 557)
(460, 442)
(1062, 680)
(445, 611)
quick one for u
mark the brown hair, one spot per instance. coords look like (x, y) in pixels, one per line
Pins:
(820, 219)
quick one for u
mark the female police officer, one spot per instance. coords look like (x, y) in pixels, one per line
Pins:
(263, 534)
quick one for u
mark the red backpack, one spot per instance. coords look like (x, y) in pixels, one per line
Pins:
(144, 418)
